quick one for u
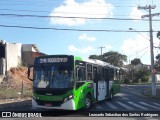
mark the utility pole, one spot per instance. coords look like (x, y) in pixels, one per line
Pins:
(101, 49)
(151, 44)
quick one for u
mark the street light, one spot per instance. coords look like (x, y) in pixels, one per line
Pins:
(139, 33)
(158, 36)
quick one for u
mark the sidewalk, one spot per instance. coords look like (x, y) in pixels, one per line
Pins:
(148, 92)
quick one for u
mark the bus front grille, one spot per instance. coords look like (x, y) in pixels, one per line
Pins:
(52, 103)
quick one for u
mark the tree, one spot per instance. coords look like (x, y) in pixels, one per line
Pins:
(158, 34)
(136, 61)
(157, 63)
(115, 58)
(111, 57)
(142, 74)
(93, 57)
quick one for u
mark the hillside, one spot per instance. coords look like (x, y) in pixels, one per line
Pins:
(11, 85)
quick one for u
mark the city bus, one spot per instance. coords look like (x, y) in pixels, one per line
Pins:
(71, 83)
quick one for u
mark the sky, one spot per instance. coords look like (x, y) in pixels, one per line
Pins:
(81, 27)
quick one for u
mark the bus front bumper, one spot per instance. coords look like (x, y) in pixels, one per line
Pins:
(69, 105)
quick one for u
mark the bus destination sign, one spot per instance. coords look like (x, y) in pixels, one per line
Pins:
(53, 60)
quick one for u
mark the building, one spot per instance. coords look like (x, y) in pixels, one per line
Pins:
(29, 52)
(16, 54)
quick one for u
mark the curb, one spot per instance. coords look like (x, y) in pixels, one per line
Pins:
(16, 104)
(149, 95)
(132, 89)
(144, 92)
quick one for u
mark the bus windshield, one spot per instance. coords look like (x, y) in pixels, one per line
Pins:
(53, 76)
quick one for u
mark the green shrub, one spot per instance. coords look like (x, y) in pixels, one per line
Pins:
(126, 81)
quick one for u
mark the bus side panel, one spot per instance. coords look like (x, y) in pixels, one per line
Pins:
(102, 90)
(80, 95)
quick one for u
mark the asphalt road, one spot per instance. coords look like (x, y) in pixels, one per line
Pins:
(129, 101)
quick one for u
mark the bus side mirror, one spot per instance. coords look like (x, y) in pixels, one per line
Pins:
(30, 69)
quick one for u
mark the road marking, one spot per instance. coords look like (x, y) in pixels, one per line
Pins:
(149, 105)
(139, 106)
(97, 106)
(119, 94)
(156, 103)
(125, 98)
(111, 105)
(32, 108)
(125, 106)
(133, 92)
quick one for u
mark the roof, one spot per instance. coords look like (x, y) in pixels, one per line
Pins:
(35, 47)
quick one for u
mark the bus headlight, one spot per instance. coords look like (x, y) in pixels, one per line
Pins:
(68, 98)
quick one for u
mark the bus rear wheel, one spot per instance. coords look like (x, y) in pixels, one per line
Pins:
(111, 95)
(88, 102)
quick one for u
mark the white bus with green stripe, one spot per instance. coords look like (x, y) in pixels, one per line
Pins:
(71, 83)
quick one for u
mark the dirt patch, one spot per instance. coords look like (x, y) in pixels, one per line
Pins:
(14, 83)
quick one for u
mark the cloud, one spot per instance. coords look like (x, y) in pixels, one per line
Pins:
(135, 13)
(138, 47)
(108, 47)
(71, 8)
(87, 37)
(88, 49)
(132, 45)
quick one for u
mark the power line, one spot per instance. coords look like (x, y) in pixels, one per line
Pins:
(55, 3)
(39, 11)
(20, 3)
(42, 16)
(69, 13)
(24, 10)
(66, 29)
(139, 51)
(144, 53)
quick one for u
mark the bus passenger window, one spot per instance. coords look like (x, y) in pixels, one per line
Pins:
(81, 74)
(111, 74)
(89, 72)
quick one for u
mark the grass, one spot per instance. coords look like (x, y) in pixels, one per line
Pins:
(140, 83)
(12, 93)
(143, 83)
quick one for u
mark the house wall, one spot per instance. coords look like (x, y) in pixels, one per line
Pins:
(13, 55)
(28, 47)
(27, 58)
(158, 77)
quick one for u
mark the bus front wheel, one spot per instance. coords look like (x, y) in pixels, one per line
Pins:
(88, 102)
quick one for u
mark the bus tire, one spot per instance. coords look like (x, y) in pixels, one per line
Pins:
(110, 95)
(88, 102)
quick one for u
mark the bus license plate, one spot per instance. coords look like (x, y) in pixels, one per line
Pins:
(48, 105)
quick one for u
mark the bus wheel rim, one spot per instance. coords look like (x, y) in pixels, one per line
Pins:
(111, 95)
(88, 102)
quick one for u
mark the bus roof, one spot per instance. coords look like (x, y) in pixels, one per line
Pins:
(94, 61)
(99, 62)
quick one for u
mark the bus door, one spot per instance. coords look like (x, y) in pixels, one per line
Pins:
(101, 84)
(80, 73)
(107, 77)
(95, 79)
